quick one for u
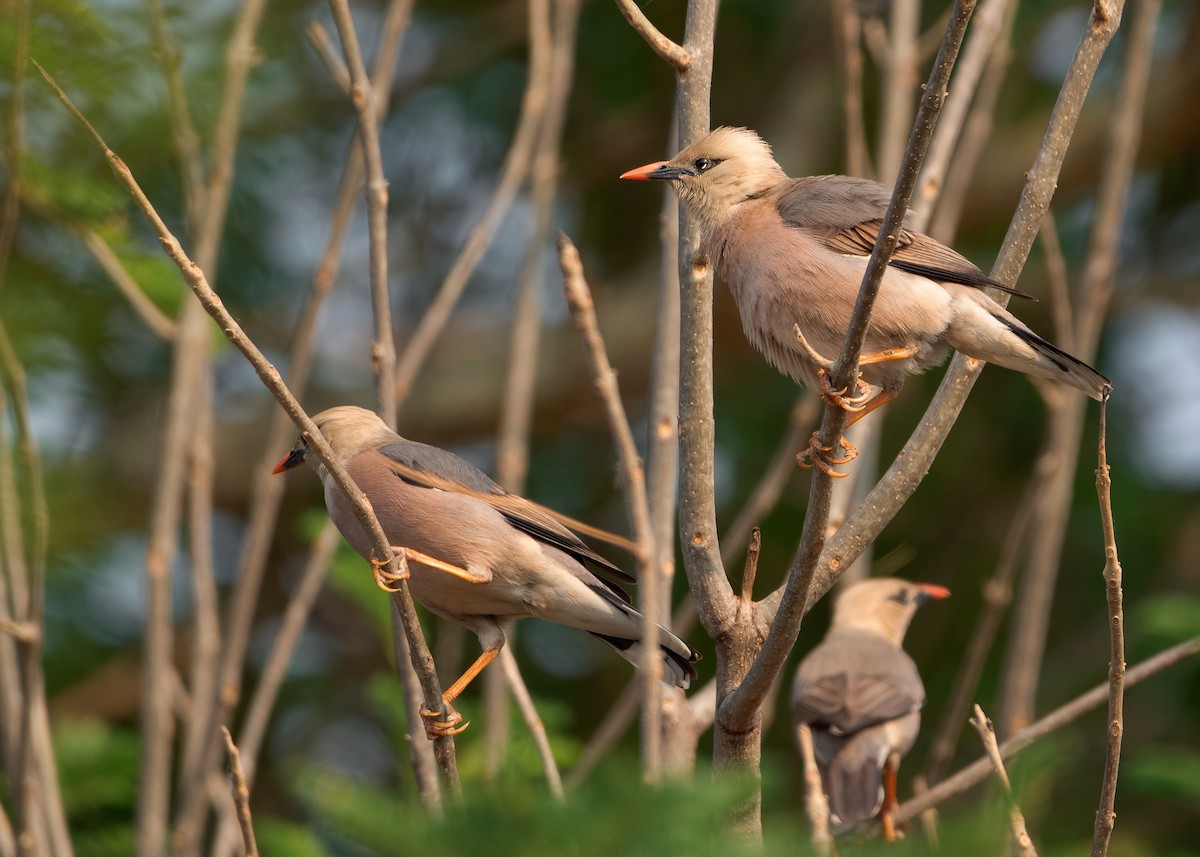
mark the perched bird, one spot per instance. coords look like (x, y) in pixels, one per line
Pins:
(793, 253)
(861, 696)
(477, 554)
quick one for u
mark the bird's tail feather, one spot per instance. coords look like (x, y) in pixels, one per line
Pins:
(1054, 363)
(855, 788)
(678, 657)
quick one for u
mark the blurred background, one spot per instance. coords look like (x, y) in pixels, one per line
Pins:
(333, 776)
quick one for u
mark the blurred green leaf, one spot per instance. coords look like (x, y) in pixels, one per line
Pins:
(1164, 772)
(286, 839)
(97, 765)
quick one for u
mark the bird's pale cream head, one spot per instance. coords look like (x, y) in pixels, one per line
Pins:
(717, 173)
(884, 605)
(349, 430)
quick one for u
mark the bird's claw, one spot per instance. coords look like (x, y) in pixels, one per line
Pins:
(823, 458)
(436, 728)
(838, 398)
(385, 576)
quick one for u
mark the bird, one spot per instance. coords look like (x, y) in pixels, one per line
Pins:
(477, 555)
(861, 695)
(793, 253)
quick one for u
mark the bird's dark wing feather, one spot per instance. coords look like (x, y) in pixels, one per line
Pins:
(446, 467)
(846, 214)
(854, 680)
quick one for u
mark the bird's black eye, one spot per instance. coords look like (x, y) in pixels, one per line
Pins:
(900, 597)
(703, 165)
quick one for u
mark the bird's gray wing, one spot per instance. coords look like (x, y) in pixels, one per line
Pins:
(849, 683)
(846, 214)
(445, 467)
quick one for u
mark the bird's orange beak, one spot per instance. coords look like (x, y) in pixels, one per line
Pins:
(933, 592)
(647, 173)
(294, 458)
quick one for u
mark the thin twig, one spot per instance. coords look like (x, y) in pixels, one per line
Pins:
(212, 304)
(383, 348)
(537, 729)
(997, 595)
(516, 413)
(159, 322)
(274, 672)
(976, 132)
(751, 567)
(1105, 817)
(815, 804)
(318, 37)
(183, 131)
(241, 794)
(206, 210)
(899, 84)
(847, 25)
(512, 175)
(674, 54)
(29, 762)
(1060, 287)
(740, 706)
(579, 300)
(1022, 845)
(989, 23)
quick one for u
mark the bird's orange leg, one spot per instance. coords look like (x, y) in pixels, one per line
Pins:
(887, 811)
(384, 576)
(452, 722)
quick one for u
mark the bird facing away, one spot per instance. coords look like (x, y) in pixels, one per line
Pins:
(477, 554)
(861, 696)
(793, 253)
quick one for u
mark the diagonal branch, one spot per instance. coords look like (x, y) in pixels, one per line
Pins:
(740, 706)
(383, 349)
(512, 175)
(198, 283)
(674, 54)
(1022, 845)
(579, 300)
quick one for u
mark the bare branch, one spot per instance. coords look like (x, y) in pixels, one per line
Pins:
(737, 709)
(751, 569)
(516, 684)
(815, 804)
(674, 54)
(899, 84)
(847, 24)
(579, 300)
(997, 595)
(269, 375)
(183, 131)
(989, 23)
(1060, 288)
(241, 794)
(1022, 845)
(383, 349)
(318, 37)
(512, 175)
(1105, 817)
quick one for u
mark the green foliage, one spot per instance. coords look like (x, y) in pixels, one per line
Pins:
(614, 815)
(1164, 773)
(1164, 620)
(286, 839)
(98, 776)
